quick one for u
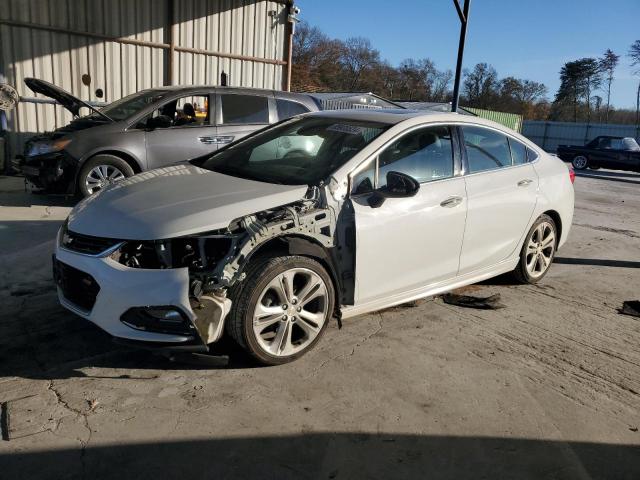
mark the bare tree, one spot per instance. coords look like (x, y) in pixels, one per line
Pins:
(608, 64)
(359, 56)
(480, 86)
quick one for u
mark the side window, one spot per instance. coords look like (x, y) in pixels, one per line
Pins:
(518, 152)
(287, 108)
(531, 155)
(190, 111)
(244, 109)
(425, 154)
(486, 149)
(364, 181)
(616, 144)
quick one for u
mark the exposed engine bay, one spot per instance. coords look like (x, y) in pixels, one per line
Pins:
(216, 259)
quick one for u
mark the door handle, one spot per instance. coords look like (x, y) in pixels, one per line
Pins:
(525, 183)
(451, 202)
(216, 140)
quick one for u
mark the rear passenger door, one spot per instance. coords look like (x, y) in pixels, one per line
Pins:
(239, 114)
(501, 189)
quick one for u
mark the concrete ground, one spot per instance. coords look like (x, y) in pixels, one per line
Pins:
(548, 387)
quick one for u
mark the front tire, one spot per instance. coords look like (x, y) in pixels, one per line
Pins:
(580, 162)
(538, 251)
(282, 309)
(101, 171)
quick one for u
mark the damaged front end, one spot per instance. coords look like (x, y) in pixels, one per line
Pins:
(216, 260)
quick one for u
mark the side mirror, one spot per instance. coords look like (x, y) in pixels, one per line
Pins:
(399, 185)
(161, 121)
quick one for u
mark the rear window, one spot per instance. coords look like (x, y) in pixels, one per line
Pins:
(288, 109)
(518, 152)
(244, 109)
(486, 149)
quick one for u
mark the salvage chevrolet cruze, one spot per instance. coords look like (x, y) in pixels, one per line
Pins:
(327, 214)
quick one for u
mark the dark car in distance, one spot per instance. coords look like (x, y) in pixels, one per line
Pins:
(148, 129)
(617, 153)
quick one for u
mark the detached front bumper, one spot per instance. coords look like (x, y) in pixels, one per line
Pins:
(52, 172)
(115, 298)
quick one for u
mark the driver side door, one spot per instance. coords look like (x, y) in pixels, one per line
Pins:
(408, 243)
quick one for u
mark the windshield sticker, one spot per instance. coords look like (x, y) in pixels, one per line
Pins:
(342, 128)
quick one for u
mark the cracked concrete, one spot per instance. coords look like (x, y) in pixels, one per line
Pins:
(547, 387)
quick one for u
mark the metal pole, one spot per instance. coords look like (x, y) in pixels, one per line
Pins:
(172, 42)
(464, 19)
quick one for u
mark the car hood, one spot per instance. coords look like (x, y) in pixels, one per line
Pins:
(64, 98)
(175, 201)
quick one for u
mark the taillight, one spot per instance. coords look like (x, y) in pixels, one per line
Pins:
(572, 175)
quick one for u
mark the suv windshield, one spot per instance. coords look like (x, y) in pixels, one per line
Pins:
(300, 151)
(131, 104)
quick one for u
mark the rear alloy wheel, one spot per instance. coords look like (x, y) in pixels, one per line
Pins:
(283, 309)
(100, 172)
(580, 162)
(538, 251)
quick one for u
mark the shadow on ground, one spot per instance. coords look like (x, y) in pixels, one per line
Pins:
(334, 456)
(614, 176)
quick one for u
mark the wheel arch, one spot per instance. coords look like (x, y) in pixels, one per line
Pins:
(127, 157)
(302, 245)
(555, 216)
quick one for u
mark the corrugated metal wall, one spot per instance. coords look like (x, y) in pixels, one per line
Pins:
(62, 55)
(509, 120)
(548, 135)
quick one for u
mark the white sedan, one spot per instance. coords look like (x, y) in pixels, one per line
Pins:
(268, 245)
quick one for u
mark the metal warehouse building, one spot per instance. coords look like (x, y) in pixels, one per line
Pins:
(102, 50)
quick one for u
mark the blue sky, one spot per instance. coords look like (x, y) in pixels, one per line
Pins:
(524, 38)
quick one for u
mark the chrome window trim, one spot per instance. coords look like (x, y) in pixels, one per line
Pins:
(453, 124)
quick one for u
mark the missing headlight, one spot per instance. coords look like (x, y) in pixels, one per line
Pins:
(197, 253)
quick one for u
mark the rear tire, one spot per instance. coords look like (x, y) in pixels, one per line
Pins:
(538, 251)
(580, 162)
(282, 309)
(101, 171)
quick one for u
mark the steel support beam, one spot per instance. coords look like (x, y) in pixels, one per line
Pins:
(463, 14)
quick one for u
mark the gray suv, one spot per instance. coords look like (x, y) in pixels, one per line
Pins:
(145, 130)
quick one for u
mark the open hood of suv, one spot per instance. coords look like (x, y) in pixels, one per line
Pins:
(175, 201)
(64, 98)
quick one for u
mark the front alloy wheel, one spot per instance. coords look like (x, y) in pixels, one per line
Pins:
(102, 175)
(290, 312)
(282, 309)
(101, 171)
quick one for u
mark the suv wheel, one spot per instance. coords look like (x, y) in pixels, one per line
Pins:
(538, 251)
(282, 308)
(101, 171)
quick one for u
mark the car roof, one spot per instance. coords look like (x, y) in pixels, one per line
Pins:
(389, 116)
(187, 88)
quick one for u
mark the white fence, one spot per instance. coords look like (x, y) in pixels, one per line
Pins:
(549, 135)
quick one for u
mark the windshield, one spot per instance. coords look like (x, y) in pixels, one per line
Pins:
(300, 151)
(131, 104)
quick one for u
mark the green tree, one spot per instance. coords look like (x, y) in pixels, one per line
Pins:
(578, 80)
(608, 64)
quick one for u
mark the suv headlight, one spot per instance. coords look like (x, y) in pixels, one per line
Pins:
(40, 148)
